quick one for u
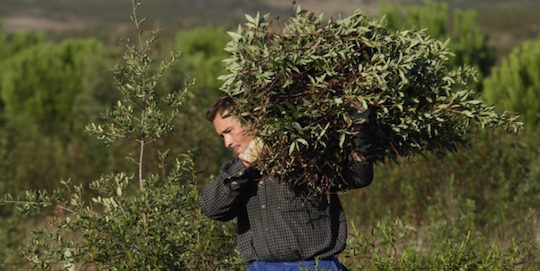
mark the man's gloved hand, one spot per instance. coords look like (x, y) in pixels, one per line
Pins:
(362, 141)
(252, 152)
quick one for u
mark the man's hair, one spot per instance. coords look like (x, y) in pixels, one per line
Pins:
(222, 104)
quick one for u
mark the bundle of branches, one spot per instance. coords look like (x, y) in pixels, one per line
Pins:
(297, 88)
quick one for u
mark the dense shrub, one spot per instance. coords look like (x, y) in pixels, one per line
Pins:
(162, 229)
(394, 245)
(41, 85)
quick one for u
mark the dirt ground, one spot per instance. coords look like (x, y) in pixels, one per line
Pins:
(18, 23)
(329, 8)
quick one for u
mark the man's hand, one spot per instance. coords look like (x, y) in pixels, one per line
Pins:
(252, 152)
(362, 141)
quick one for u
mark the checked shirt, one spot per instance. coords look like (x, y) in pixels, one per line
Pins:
(274, 223)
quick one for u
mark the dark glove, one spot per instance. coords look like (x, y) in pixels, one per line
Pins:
(235, 174)
(363, 123)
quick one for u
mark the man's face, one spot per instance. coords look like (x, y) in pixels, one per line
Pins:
(235, 137)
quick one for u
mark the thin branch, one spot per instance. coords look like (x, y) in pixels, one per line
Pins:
(43, 204)
(142, 138)
(136, 21)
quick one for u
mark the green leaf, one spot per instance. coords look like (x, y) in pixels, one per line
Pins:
(234, 35)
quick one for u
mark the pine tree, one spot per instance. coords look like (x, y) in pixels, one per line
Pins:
(11, 44)
(40, 85)
(469, 45)
(202, 61)
(515, 84)
(48, 92)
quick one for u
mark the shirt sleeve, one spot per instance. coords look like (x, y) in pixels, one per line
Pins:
(219, 198)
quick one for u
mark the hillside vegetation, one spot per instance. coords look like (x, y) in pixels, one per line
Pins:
(474, 209)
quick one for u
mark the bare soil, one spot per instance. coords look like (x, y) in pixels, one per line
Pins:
(18, 23)
(332, 8)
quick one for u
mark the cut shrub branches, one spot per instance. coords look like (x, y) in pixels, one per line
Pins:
(299, 89)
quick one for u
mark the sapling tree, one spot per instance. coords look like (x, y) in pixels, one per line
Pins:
(134, 220)
(302, 90)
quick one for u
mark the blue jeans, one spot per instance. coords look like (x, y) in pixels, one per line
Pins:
(330, 264)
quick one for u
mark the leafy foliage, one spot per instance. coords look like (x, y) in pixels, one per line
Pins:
(119, 231)
(297, 89)
(469, 191)
(515, 84)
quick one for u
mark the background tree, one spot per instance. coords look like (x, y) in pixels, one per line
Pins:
(467, 42)
(202, 62)
(11, 43)
(515, 84)
(41, 85)
(49, 91)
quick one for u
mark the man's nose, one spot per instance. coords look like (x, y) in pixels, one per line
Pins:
(228, 142)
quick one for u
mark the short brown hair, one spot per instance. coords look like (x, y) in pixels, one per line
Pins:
(222, 104)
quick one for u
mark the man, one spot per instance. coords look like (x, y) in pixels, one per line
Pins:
(278, 229)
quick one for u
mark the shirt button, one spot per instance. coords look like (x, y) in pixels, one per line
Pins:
(263, 206)
(261, 182)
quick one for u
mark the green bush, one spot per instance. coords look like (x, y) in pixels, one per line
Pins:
(515, 84)
(160, 229)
